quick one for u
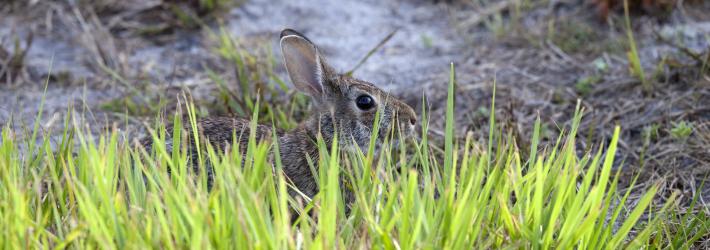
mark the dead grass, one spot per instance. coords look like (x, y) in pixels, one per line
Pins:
(561, 55)
(551, 56)
(12, 61)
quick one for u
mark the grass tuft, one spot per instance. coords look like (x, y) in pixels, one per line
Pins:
(633, 55)
(100, 192)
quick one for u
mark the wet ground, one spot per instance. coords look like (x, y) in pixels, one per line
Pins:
(543, 61)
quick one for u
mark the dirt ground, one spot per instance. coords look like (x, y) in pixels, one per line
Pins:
(544, 57)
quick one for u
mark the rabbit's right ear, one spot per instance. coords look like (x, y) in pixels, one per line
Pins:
(304, 64)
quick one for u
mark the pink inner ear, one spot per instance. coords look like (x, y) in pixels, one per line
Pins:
(302, 63)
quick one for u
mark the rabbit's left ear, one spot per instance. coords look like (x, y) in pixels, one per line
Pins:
(304, 64)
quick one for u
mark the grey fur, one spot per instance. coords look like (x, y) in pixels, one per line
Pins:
(334, 110)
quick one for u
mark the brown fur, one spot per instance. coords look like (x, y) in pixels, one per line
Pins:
(334, 105)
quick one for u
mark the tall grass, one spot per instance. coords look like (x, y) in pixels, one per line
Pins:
(633, 55)
(96, 192)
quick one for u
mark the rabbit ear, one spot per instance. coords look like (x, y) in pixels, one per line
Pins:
(304, 64)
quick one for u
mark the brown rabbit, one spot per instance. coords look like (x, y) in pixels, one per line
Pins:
(340, 103)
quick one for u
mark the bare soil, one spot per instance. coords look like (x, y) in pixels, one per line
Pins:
(544, 59)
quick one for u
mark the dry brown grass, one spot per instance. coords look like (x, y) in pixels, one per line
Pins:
(542, 66)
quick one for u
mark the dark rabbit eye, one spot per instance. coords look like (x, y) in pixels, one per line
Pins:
(364, 102)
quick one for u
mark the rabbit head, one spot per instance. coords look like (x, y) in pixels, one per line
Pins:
(342, 103)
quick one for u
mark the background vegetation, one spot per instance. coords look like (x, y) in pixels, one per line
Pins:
(572, 127)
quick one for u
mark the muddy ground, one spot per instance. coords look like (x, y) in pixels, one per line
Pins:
(107, 60)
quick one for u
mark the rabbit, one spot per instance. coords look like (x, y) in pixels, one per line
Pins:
(340, 103)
